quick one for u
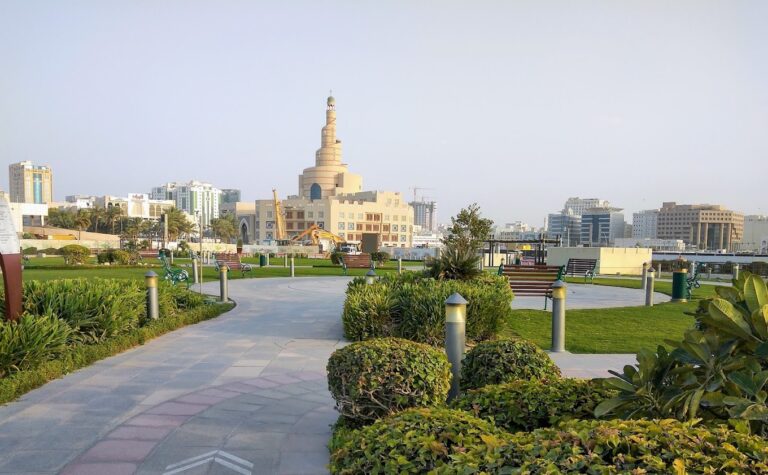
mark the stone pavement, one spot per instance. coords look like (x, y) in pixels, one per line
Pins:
(593, 296)
(244, 393)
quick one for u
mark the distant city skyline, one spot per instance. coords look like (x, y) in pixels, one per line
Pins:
(516, 106)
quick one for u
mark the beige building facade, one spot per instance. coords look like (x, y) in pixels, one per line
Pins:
(30, 183)
(331, 197)
(708, 227)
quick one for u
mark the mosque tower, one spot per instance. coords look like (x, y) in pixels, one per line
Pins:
(329, 177)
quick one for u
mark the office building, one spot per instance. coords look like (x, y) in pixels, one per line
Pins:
(578, 206)
(230, 195)
(645, 224)
(424, 214)
(136, 205)
(198, 199)
(755, 237)
(707, 227)
(30, 183)
(565, 226)
(601, 226)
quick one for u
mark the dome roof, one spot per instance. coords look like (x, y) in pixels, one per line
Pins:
(331, 100)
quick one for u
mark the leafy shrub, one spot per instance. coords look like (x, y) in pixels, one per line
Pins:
(51, 251)
(75, 254)
(95, 308)
(502, 361)
(117, 256)
(524, 405)
(179, 298)
(30, 341)
(455, 263)
(336, 257)
(29, 251)
(420, 441)
(620, 446)
(417, 307)
(380, 257)
(717, 372)
(378, 377)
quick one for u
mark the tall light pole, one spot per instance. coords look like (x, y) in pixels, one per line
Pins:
(200, 238)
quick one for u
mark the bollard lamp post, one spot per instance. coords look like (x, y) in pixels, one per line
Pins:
(293, 268)
(649, 284)
(153, 303)
(370, 277)
(223, 283)
(455, 338)
(558, 316)
(645, 274)
(736, 271)
(399, 265)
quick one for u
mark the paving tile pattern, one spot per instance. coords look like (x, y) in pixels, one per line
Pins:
(245, 392)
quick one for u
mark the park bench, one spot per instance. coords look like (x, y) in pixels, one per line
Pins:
(148, 254)
(532, 281)
(356, 261)
(232, 261)
(579, 267)
(173, 274)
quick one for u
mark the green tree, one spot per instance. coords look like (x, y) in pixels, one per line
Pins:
(224, 227)
(178, 224)
(112, 216)
(61, 218)
(468, 230)
(82, 221)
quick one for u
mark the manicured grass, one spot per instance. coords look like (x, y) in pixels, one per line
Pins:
(209, 273)
(611, 330)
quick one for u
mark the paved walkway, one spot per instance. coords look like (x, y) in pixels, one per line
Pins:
(244, 393)
(593, 296)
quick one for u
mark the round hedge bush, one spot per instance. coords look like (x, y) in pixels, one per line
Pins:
(524, 405)
(375, 378)
(502, 361)
(636, 446)
(419, 441)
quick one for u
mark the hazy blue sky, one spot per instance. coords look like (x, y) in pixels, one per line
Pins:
(515, 105)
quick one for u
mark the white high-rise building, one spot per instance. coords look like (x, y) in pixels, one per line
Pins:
(645, 224)
(192, 197)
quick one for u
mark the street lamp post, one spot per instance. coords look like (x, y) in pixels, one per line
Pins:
(200, 254)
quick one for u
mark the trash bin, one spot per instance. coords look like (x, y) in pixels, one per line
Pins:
(262, 260)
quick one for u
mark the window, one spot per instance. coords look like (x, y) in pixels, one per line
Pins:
(351, 226)
(386, 217)
(315, 192)
(360, 216)
(396, 218)
(321, 214)
(269, 214)
(351, 215)
(341, 214)
(310, 214)
(341, 226)
(402, 238)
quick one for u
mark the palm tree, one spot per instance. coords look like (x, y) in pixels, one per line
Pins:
(97, 216)
(112, 215)
(225, 227)
(82, 221)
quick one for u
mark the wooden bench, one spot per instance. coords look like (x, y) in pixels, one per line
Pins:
(232, 261)
(356, 261)
(149, 254)
(579, 267)
(532, 281)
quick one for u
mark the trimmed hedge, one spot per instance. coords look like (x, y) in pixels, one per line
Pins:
(413, 307)
(75, 254)
(419, 441)
(503, 361)
(79, 356)
(379, 377)
(525, 405)
(451, 441)
(636, 446)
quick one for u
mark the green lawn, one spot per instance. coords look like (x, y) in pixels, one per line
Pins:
(50, 268)
(611, 330)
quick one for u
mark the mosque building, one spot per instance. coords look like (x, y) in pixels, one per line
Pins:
(331, 197)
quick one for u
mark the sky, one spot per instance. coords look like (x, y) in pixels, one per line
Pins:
(514, 105)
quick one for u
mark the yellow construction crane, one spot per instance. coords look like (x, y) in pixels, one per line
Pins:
(279, 219)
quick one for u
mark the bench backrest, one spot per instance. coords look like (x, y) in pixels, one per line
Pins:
(580, 266)
(231, 260)
(531, 280)
(357, 260)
